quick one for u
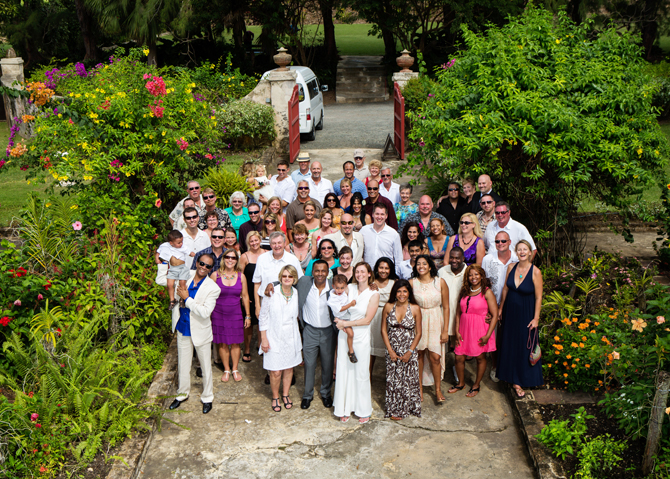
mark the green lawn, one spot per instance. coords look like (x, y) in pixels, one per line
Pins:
(350, 39)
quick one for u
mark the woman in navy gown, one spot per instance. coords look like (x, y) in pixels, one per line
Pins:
(518, 316)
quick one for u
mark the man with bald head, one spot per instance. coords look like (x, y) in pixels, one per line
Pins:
(295, 211)
(346, 236)
(485, 186)
(373, 198)
(424, 215)
(319, 187)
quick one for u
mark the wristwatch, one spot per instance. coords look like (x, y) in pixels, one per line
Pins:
(247, 317)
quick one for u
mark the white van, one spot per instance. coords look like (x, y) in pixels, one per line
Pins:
(311, 100)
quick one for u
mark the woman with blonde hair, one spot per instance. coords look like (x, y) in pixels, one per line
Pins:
(301, 248)
(345, 199)
(269, 226)
(375, 167)
(310, 221)
(437, 241)
(248, 266)
(326, 228)
(470, 239)
(274, 206)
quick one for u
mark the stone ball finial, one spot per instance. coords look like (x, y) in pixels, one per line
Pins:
(282, 59)
(11, 53)
(405, 61)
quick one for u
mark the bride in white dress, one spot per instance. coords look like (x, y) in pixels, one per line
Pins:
(352, 388)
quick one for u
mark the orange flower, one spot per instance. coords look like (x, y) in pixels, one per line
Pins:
(549, 365)
(583, 326)
(565, 363)
(587, 365)
(639, 324)
(604, 339)
(583, 338)
(574, 366)
(565, 375)
(581, 345)
(569, 356)
(577, 359)
(597, 323)
(566, 382)
(599, 381)
(556, 338)
(573, 345)
(593, 331)
(587, 320)
(574, 320)
(558, 346)
(597, 389)
(557, 352)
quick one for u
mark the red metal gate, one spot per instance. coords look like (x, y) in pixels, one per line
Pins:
(294, 125)
(398, 121)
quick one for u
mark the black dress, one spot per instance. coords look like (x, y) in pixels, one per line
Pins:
(249, 275)
(512, 340)
(453, 215)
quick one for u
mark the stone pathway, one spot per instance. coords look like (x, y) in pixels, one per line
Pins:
(242, 437)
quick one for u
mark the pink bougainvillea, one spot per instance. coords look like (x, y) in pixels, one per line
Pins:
(183, 144)
(156, 86)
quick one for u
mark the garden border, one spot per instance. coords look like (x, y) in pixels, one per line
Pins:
(527, 413)
(134, 449)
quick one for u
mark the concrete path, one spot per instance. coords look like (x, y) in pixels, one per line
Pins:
(242, 437)
(356, 125)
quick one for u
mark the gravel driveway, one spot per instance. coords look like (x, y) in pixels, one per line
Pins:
(353, 125)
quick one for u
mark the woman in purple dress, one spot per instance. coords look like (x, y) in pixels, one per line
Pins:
(469, 239)
(227, 322)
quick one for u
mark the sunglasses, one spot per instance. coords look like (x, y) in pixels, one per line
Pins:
(453, 189)
(466, 222)
(501, 213)
(358, 157)
(270, 222)
(205, 265)
(326, 248)
(330, 199)
(217, 237)
(232, 258)
(501, 241)
(372, 189)
(254, 212)
(194, 188)
(386, 176)
(208, 197)
(303, 187)
(190, 217)
(346, 223)
(281, 170)
(486, 202)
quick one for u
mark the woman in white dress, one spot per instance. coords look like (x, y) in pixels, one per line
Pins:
(352, 389)
(385, 277)
(280, 337)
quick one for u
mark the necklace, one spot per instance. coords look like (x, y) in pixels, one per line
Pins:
(525, 272)
(232, 276)
(287, 298)
(475, 290)
(471, 240)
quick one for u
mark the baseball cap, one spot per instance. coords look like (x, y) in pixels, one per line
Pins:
(358, 153)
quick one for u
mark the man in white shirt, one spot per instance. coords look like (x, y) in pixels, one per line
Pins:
(380, 239)
(361, 171)
(302, 173)
(495, 266)
(193, 188)
(283, 184)
(346, 236)
(269, 265)
(319, 187)
(388, 189)
(495, 263)
(453, 274)
(414, 249)
(514, 229)
(195, 239)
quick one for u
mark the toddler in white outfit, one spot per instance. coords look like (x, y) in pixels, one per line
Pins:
(174, 253)
(339, 303)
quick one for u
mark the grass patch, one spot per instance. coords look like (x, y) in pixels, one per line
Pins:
(350, 39)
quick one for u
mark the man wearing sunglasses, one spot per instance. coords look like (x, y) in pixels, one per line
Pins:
(388, 189)
(255, 223)
(193, 189)
(303, 172)
(487, 215)
(485, 186)
(295, 211)
(215, 250)
(283, 184)
(346, 236)
(195, 239)
(361, 171)
(515, 230)
(194, 330)
(373, 198)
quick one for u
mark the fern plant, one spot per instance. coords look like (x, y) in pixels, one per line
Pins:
(225, 183)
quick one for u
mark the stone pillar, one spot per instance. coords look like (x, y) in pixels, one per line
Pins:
(12, 71)
(403, 77)
(404, 61)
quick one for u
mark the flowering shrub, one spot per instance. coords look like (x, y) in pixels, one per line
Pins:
(246, 124)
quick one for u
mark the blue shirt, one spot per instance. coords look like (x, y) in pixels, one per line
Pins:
(356, 185)
(296, 176)
(184, 323)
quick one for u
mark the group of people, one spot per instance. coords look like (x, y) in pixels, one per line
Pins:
(346, 272)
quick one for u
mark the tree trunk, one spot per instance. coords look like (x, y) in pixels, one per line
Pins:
(152, 58)
(239, 29)
(572, 9)
(329, 32)
(86, 31)
(656, 422)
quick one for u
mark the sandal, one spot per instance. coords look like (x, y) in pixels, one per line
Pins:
(364, 420)
(226, 376)
(439, 401)
(287, 404)
(353, 358)
(520, 392)
(396, 418)
(344, 418)
(236, 374)
(471, 391)
(455, 389)
(275, 405)
(246, 358)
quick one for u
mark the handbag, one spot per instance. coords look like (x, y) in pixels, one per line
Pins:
(535, 352)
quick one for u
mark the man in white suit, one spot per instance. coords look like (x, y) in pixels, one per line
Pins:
(346, 236)
(194, 329)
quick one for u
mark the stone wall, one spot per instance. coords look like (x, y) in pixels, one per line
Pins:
(12, 72)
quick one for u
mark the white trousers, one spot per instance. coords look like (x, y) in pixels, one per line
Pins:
(185, 355)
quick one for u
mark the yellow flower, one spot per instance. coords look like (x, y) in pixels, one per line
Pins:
(74, 207)
(639, 324)
(146, 51)
(163, 133)
(87, 177)
(47, 205)
(558, 41)
(639, 151)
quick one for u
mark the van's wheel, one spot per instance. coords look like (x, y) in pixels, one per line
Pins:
(311, 136)
(320, 125)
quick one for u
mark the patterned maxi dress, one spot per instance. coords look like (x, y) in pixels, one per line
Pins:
(429, 299)
(403, 396)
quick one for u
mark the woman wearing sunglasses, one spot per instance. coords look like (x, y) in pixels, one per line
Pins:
(212, 222)
(332, 202)
(469, 238)
(328, 252)
(274, 207)
(269, 226)
(227, 322)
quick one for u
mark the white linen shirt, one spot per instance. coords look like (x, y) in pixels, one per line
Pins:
(392, 194)
(267, 269)
(200, 242)
(357, 244)
(315, 310)
(406, 269)
(495, 271)
(383, 243)
(514, 229)
(285, 189)
(318, 191)
(454, 283)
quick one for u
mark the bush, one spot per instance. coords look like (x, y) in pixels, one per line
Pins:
(660, 74)
(416, 93)
(598, 457)
(225, 183)
(247, 124)
(562, 437)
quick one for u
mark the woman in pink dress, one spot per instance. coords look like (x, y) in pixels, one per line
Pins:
(474, 336)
